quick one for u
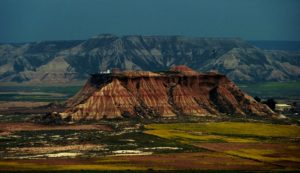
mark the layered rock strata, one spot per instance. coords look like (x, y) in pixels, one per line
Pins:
(178, 92)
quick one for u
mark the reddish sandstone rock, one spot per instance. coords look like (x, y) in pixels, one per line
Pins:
(179, 92)
(184, 70)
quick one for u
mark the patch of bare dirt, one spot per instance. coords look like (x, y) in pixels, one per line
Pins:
(7, 128)
(280, 147)
(18, 104)
(281, 150)
(27, 107)
(203, 160)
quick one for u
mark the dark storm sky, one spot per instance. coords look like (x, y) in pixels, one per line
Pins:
(36, 20)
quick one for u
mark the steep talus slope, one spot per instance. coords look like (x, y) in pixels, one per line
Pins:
(65, 61)
(178, 92)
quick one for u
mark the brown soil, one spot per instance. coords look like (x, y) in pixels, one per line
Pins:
(7, 128)
(289, 164)
(17, 104)
(30, 110)
(279, 147)
(176, 161)
(281, 150)
(203, 160)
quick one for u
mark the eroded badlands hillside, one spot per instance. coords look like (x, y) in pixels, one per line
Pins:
(71, 61)
(178, 92)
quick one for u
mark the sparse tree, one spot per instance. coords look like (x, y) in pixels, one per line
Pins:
(257, 99)
(271, 103)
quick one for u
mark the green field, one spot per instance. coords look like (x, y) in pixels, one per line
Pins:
(18, 92)
(277, 90)
(39, 93)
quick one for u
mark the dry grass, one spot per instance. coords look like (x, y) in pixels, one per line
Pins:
(284, 154)
(17, 104)
(176, 161)
(195, 137)
(242, 140)
(232, 128)
(262, 155)
(9, 165)
(8, 128)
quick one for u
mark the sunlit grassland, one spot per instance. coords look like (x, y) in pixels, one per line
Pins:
(233, 128)
(239, 129)
(206, 146)
(263, 155)
(11, 165)
(188, 137)
(266, 143)
(171, 161)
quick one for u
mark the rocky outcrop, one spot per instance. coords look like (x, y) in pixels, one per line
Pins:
(178, 92)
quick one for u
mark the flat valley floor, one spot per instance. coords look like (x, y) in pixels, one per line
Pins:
(218, 146)
(126, 146)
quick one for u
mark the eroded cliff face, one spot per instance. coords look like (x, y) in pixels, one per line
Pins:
(178, 92)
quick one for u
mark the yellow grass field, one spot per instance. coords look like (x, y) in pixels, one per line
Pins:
(266, 143)
(219, 146)
(224, 131)
(232, 128)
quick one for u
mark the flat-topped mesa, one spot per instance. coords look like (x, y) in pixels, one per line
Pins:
(178, 92)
